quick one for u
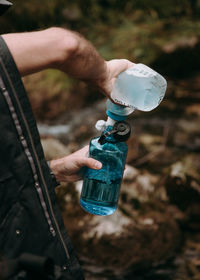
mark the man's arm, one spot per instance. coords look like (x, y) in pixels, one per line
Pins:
(71, 53)
(64, 50)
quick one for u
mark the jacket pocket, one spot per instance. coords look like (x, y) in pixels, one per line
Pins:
(9, 215)
(11, 231)
(9, 190)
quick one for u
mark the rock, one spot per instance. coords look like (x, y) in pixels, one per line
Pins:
(183, 188)
(183, 182)
(185, 52)
(151, 142)
(132, 238)
(130, 173)
(53, 148)
(183, 42)
(110, 225)
(142, 188)
(120, 243)
(188, 264)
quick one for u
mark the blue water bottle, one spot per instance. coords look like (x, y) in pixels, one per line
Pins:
(137, 88)
(101, 188)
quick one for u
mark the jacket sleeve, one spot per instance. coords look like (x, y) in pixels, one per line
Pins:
(12, 79)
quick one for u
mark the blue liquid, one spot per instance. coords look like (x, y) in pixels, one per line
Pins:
(101, 188)
(140, 88)
(100, 198)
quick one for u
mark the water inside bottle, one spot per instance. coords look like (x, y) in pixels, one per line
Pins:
(139, 87)
(101, 188)
(98, 197)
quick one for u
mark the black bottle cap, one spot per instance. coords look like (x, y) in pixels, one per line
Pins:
(123, 131)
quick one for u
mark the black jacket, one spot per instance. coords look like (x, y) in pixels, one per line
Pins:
(30, 220)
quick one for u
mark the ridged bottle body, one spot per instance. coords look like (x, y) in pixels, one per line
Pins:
(101, 188)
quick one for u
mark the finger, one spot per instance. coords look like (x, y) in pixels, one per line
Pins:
(73, 178)
(83, 151)
(89, 162)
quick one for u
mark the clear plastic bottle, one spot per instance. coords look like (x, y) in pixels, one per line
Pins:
(101, 188)
(139, 87)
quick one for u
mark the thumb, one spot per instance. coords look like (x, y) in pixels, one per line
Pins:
(90, 162)
(117, 66)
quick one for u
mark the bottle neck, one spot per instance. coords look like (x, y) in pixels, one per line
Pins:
(110, 122)
(115, 117)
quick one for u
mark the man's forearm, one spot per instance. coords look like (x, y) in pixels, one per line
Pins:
(56, 48)
(67, 51)
(85, 62)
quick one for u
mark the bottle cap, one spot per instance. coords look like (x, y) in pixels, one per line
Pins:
(120, 132)
(123, 131)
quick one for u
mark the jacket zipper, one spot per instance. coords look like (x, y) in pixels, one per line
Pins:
(38, 188)
(28, 154)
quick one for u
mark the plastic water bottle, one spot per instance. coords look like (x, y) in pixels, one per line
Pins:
(139, 87)
(101, 188)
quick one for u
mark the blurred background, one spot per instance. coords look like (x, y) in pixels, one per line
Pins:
(155, 233)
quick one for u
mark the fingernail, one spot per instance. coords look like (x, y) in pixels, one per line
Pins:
(98, 165)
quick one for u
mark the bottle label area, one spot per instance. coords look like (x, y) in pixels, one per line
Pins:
(99, 198)
(100, 192)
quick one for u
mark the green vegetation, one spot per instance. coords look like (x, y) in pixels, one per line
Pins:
(139, 30)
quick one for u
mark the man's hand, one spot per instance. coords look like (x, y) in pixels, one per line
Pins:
(113, 69)
(71, 168)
